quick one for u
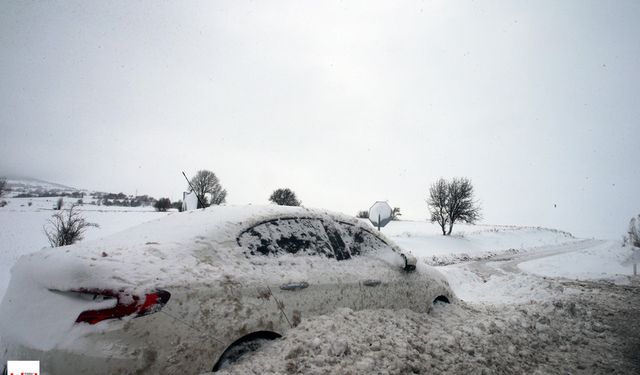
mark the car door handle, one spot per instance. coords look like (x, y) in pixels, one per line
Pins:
(372, 282)
(294, 286)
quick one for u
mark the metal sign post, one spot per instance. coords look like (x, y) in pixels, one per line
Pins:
(633, 260)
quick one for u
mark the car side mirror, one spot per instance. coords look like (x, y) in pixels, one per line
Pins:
(409, 262)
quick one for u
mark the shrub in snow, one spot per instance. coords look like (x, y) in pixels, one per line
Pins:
(284, 197)
(59, 204)
(363, 215)
(451, 201)
(162, 204)
(66, 227)
(395, 214)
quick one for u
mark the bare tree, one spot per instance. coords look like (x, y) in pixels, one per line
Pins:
(66, 227)
(438, 203)
(452, 201)
(3, 186)
(162, 204)
(362, 215)
(460, 204)
(207, 183)
(284, 197)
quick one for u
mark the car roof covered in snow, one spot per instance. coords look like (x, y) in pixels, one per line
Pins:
(217, 223)
(179, 246)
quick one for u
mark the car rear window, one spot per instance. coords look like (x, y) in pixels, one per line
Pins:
(293, 236)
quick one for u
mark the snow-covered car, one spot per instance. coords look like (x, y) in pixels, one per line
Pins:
(184, 294)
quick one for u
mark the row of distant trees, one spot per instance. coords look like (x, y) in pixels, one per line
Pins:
(206, 185)
(395, 214)
(449, 201)
(43, 193)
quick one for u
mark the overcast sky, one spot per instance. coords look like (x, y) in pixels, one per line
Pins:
(344, 102)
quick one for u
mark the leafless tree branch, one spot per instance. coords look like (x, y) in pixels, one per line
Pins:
(66, 227)
(452, 201)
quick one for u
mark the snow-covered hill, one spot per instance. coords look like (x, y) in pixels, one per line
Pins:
(27, 185)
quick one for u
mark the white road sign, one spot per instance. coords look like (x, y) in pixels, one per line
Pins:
(380, 214)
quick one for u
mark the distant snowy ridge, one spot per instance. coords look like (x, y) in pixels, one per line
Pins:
(29, 184)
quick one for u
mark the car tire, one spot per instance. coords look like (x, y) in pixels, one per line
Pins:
(245, 345)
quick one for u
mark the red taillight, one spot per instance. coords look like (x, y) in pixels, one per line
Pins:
(127, 304)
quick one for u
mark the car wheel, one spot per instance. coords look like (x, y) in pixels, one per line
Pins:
(243, 346)
(441, 300)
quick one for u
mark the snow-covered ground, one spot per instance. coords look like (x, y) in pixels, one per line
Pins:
(470, 241)
(562, 337)
(512, 319)
(606, 260)
(22, 226)
(522, 278)
(518, 300)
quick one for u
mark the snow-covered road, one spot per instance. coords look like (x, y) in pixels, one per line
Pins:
(510, 263)
(524, 277)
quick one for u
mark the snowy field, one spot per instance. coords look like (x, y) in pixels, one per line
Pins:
(529, 303)
(606, 260)
(22, 226)
(470, 241)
